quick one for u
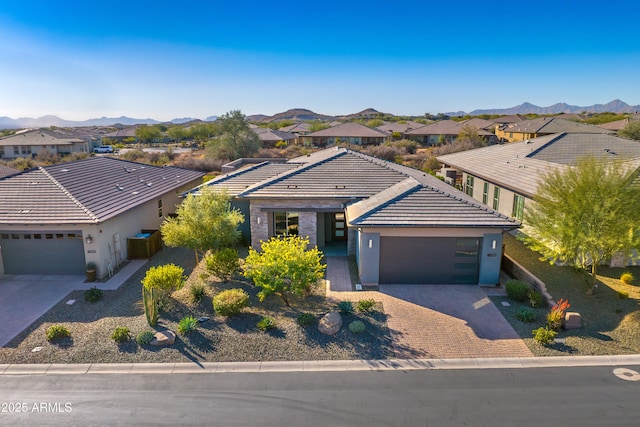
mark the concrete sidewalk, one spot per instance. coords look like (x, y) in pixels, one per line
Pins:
(319, 365)
(25, 298)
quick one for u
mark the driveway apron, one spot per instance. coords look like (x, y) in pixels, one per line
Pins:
(435, 321)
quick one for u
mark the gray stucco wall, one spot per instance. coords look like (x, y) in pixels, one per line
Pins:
(490, 259)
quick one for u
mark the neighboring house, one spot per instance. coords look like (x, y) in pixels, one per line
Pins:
(6, 171)
(31, 142)
(351, 133)
(618, 125)
(530, 129)
(299, 129)
(513, 118)
(119, 136)
(403, 226)
(55, 219)
(442, 132)
(505, 177)
(270, 137)
(400, 128)
(479, 123)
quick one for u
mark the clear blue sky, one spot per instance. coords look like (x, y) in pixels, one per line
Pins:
(167, 59)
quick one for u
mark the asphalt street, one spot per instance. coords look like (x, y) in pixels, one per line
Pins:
(563, 396)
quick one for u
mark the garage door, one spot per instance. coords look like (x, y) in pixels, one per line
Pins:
(420, 260)
(59, 252)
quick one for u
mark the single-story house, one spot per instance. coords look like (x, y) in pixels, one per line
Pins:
(56, 219)
(505, 177)
(6, 171)
(298, 128)
(534, 128)
(270, 137)
(351, 133)
(403, 226)
(400, 128)
(30, 142)
(442, 132)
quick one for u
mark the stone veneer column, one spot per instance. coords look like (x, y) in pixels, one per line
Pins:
(352, 235)
(308, 227)
(259, 231)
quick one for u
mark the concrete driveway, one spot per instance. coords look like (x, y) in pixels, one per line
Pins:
(435, 321)
(25, 298)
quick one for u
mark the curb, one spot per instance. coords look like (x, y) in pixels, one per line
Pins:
(317, 365)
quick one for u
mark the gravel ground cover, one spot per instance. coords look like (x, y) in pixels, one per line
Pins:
(611, 324)
(218, 339)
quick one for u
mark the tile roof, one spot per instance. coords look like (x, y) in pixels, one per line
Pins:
(545, 125)
(399, 127)
(352, 130)
(513, 118)
(237, 181)
(479, 123)
(276, 135)
(518, 165)
(39, 137)
(85, 191)
(385, 193)
(419, 204)
(6, 171)
(443, 127)
(298, 127)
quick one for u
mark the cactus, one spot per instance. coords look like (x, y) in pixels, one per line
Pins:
(150, 305)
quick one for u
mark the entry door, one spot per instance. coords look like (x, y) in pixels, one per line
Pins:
(339, 226)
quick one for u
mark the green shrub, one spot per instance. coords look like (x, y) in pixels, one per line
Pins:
(164, 279)
(198, 290)
(357, 327)
(525, 315)
(544, 336)
(120, 334)
(306, 319)
(223, 263)
(92, 295)
(266, 323)
(345, 307)
(626, 278)
(366, 305)
(517, 290)
(187, 325)
(535, 299)
(145, 337)
(56, 332)
(230, 302)
(622, 294)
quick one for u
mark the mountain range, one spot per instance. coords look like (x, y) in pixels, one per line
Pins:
(302, 114)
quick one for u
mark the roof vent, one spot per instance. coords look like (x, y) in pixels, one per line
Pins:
(64, 170)
(292, 186)
(119, 187)
(134, 192)
(24, 211)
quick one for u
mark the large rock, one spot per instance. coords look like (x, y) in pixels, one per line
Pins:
(330, 323)
(163, 338)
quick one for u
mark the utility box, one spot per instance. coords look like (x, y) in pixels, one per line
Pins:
(144, 244)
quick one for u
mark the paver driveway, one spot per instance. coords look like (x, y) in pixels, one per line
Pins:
(435, 321)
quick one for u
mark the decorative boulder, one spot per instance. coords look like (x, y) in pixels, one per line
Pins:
(330, 323)
(572, 320)
(163, 338)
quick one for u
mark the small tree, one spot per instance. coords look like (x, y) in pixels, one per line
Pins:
(237, 139)
(284, 267)
(204, 222)
(157, 285)
(584, 214)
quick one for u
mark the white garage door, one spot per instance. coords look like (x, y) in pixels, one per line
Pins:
(48, 252)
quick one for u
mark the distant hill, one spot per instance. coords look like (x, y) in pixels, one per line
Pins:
(615, 106)
(369, 113)
(301, 114)
(47, 121)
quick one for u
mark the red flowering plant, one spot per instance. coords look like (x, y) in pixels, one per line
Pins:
(555, 318)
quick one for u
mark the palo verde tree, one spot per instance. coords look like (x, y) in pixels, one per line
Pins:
(237, 139)
(204, 222)
(284, 267)
(157, 285)
(584, 214)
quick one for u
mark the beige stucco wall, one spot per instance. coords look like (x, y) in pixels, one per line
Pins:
(505, 204)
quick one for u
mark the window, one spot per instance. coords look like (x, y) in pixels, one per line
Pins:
(518, 207)
(468, 188)
(285, 223)
(485, 193)
(160, 208)
(496, 198)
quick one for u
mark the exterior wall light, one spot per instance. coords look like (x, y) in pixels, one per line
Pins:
(88, 239)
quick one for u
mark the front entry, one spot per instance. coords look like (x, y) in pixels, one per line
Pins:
(339, 227)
